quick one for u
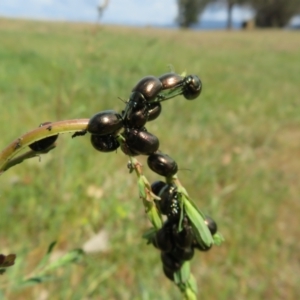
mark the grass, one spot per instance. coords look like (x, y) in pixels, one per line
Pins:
(237, 147)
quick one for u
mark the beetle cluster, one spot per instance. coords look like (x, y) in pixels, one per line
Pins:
(108, 127)
(185, 228)
(176, 245)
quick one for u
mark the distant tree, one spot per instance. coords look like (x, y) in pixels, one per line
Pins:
(268, 13)
(189, 11)
(230, 5)
(274, 13)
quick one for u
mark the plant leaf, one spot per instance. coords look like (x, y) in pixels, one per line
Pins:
(72, 256)
(154, 216)
(203, 235)
(185, 272)
(192, 284)
(218, 239)
(141, 185)
(45, 259)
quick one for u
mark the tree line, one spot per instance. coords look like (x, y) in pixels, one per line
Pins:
(268, 13)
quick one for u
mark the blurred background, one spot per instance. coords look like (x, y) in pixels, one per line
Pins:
(198, 14)
(237, 145)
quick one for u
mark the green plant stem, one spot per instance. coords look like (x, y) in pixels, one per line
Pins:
(67, 126)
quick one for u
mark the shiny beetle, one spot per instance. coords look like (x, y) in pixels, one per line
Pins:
(127, 150)
(211, 224)
(168, 273)
(199, 247)
(162, 164)
(184, 238)
(163, 237)
(45, 143)
(136, 117)
(157, 186)
(154, 110)
(104, 143)
(170, 80)
(105, 122)
(149, 87)
(140, 141)
(170, 262)
(135, 103)
(183, 254)
(168, 203)
(192, 87)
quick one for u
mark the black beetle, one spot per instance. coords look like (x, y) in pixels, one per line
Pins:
(192, 87)
(137, 117)
(211, 224)
(140, 141)
(184, 238)
(162, 164)
(149, 87)
(163, 237)
(170, 262)
(105, 122)
(202, 248)
(168, 273)
(168, 203)
(183, 253)
(127, 150)
(45, 143)
(104, 143)
(170, 80)
(135, 103)
(154, 110)
(157, 186)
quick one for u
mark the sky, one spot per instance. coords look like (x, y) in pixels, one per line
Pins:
(127, 12)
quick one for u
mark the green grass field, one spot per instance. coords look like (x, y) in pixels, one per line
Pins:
(237, 145)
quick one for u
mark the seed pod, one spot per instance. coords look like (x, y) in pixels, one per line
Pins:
(170, 80)
(183, 254)
(211, 224)
(162, 164)
(170, 262)
(184, 238)
(45, 143)
(105, 122)
(149, 86)
(104, 143)
(192, 87)
(140, 141)
(154, 110)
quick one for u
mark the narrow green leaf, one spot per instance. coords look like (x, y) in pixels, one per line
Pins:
(154, 216)
(185, 272)
(202, 232)
(70, 257)
(189, 294)
(192, 284)
(36, 280)
(45, 259)
(181, 212)
(141, 186)
(177, 277)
